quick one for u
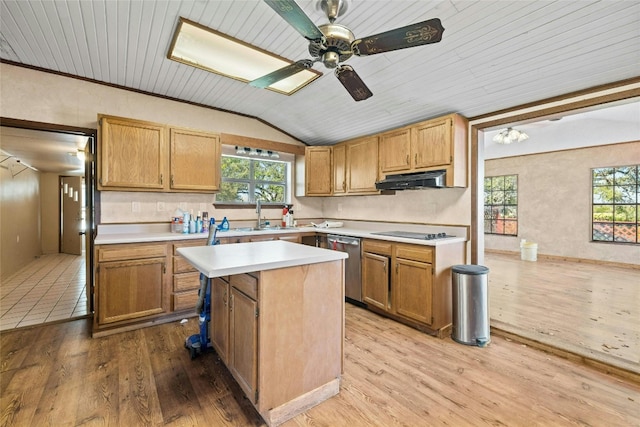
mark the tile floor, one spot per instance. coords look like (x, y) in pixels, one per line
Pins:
(51, 288)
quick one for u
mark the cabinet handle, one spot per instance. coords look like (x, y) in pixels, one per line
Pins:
(161, 180)
(172, 180)
(224, 298)
(407, 161)
(416, 159)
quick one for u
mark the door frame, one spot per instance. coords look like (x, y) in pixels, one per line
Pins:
(90, 186)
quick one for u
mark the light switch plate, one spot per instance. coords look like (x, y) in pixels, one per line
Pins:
(160, 206)
(135, 206)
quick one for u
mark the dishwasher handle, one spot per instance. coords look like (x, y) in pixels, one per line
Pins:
(341, 241)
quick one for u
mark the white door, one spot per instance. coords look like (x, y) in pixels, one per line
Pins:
(71, 197)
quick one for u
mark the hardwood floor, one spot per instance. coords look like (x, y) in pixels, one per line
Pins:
(592, 310)
(55, 375)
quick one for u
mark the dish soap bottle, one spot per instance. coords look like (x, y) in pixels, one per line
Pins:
(224, 225)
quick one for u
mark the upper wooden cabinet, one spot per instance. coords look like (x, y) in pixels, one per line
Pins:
(439, 143)
(133, 154)
(144, 156)
(339, 169)
(362, 165)
(195, 160)
(318, 171)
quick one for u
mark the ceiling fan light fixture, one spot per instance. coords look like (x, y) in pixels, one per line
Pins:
(202, 47)
(509, 135)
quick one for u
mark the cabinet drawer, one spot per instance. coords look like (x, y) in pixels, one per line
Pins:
(376, 247)
(415, 253)
(181, 265)
(186, 282)
(120, 253)
(246, 284)
(189, 243)
(185, 300)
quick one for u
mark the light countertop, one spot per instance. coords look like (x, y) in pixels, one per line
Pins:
(223, 260)
(140, 233)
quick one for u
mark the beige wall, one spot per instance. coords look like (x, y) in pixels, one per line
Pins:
(44, 97)
(50, 212)
(19, 217)
(554, 201)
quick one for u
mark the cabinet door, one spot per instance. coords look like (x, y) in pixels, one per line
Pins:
(395, 151)
(220, 317)
(194, 160)
(362, 165)
(318, 171)
(243, 355)
(339, 169)
(412, 288)
(431, 144)
(130, 289)
(133, 154)
(375, 280)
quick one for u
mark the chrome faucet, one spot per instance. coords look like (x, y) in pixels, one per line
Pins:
(259, 212)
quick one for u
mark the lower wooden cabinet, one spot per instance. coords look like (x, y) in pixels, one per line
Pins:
(411, 283)
(219, 331)
(130, 284)
(243, 342)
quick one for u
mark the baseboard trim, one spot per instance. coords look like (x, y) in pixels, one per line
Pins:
(569, 259)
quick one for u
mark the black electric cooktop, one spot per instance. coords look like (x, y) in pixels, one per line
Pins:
(414, 235)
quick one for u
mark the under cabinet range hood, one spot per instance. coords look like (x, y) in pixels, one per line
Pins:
(409, 181)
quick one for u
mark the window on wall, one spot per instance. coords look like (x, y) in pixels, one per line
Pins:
(247, 180)
(501, 205)
(616, 193)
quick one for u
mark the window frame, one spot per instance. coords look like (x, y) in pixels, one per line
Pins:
(285, 158)
(614, 203)
(492, 208)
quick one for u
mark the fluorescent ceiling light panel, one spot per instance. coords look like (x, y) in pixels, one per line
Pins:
(210, 50)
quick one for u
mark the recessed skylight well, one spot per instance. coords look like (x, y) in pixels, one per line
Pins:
(210, 50)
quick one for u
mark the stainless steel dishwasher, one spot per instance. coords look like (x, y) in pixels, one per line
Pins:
(352, 274)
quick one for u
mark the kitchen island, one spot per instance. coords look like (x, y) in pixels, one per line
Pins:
(277, 321)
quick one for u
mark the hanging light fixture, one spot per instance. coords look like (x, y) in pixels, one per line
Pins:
(257, 152)
(509, 135)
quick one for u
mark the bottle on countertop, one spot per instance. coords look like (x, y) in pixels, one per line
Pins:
(192, 223)
(198, 223)
(224, 225)
(290, 219)
(205, 222)
(185, 223)
(285, 212)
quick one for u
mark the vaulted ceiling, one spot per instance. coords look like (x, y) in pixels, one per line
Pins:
(493, 55)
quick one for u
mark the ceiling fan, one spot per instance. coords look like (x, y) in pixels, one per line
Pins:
(333, 44)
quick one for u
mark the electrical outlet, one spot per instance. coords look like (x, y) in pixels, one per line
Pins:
(135, 206)
(183, 206)
(339, 207)
(203, 207)
(160, 206)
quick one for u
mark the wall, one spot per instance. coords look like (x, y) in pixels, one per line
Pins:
(50, 212)
(19, 217)
(554, 201)
(44, 97)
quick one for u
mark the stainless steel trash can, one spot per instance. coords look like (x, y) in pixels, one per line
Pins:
(470, 305)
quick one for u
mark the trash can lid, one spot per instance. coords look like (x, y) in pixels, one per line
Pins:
(470, 269)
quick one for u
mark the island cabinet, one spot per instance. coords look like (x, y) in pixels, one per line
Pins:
(411, 283)
(434, 144)
(277, 321)
(130, 284)
(136, 155)
(318, 171)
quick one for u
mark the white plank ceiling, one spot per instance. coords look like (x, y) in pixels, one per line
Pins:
(493, 55)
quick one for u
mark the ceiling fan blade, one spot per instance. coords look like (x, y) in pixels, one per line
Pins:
(291, 12)
(281, 74)
(425, 32)
(353, 83)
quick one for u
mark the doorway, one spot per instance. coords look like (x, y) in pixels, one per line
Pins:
(66, 223)
(513, 284)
